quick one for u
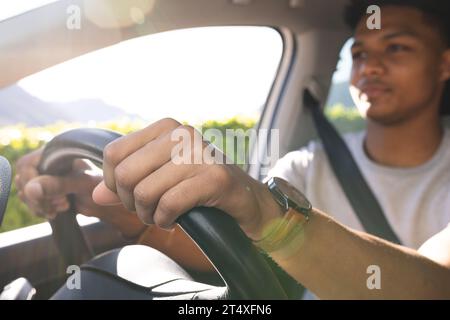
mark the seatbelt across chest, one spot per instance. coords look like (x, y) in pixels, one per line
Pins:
(346, 170)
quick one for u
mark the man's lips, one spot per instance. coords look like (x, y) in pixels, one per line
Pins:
(374, 91)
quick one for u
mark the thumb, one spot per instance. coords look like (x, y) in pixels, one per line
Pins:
(49, 187)
(103, 196)
(43, 187)
(33, 190)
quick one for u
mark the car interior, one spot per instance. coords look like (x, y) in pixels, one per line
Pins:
(313, 33)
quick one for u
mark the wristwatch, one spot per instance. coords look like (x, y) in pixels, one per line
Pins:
(285, 233)
(288, 197)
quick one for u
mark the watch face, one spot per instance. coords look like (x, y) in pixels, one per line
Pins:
(294, 197)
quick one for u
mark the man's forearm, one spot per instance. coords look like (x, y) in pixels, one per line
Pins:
(332, 261)
(178, 246)
(126, 222)
(175, 243)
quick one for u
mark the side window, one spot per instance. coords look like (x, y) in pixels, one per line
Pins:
(340, 108)
(215, 77)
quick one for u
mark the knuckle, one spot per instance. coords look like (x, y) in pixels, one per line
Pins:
(167, 205)
(141, 197)
(194, 138)
(52, 186)
(169, 123)
(220, 175)
(189, 129)
(111, 153)
(123, 178)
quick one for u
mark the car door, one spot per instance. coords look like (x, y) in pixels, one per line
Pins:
(240, 65)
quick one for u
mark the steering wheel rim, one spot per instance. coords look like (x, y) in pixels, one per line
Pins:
(243, 269)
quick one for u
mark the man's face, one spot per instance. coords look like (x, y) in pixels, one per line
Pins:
(399, 71)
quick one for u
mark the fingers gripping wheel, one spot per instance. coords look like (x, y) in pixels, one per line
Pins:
(242, 268)
(57, 159)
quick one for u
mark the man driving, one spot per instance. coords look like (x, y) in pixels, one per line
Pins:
(399, 76)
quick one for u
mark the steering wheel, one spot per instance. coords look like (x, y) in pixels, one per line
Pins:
(5, 185)
(244, 271)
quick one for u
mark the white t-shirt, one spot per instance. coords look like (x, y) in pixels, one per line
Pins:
(416, 201)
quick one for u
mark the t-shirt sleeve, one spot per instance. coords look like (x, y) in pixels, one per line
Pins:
(293, 167)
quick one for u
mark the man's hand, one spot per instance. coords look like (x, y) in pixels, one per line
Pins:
(47, 195)
(139, 171)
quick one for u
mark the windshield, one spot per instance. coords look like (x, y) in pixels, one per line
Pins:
(211, 77)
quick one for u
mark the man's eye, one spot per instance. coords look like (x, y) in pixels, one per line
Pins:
(393, 48)
(357, 55)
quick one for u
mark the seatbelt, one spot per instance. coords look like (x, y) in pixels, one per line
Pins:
(347, 172)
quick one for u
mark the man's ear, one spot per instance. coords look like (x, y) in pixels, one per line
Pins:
(445, 67)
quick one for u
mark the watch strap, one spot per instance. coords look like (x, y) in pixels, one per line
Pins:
(285, 232)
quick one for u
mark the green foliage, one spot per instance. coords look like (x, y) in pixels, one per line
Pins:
(345, 119)
(234, 148)
(16, 141)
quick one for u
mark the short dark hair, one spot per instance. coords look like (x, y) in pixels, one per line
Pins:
(436, 11)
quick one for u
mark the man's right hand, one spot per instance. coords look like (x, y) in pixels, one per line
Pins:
(46, 196)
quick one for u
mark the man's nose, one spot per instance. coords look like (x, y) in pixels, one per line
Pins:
(372, 66)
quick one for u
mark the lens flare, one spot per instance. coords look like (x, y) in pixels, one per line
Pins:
(117, 14)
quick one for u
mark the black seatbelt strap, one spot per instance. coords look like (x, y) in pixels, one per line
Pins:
(347, 172)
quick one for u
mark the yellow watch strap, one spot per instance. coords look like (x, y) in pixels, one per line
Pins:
(285, 233)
